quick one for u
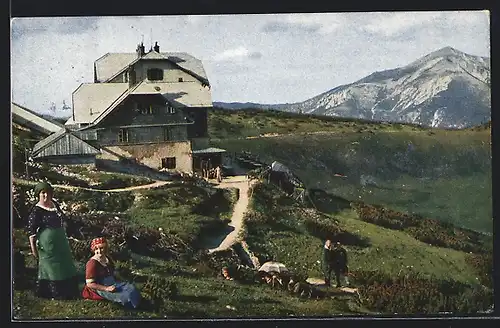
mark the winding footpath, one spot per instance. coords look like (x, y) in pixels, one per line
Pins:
(241, 182)
(240, 208)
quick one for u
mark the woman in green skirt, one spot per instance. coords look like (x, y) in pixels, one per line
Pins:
(57, 275)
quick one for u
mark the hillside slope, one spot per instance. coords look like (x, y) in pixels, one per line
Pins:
(443, 174)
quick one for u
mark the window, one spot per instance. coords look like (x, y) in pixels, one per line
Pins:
(167, 134)
(88, 135)
(181, 79)
(147, 110)
(170, 109)
(168, 163)
(123, 135)
(155, 74)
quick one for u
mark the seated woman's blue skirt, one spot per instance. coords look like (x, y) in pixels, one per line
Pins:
(126, 293)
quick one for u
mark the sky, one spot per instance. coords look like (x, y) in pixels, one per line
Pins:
(261, 58)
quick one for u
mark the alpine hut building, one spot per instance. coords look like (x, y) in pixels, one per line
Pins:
(149, 107)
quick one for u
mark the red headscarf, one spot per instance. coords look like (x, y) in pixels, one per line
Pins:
(97, 241)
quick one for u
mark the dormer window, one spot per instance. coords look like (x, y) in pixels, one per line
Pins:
(170, 109)
(155, 74)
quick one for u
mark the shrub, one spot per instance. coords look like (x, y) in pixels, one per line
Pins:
(415, 294)
(158, 291)
(483, 264)
(80, 249)
(434, 232)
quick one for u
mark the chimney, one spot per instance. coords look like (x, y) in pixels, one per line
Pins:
(157, 47)
(140, 50)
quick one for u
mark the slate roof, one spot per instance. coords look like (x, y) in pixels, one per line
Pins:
(112, 64)
(24, 116)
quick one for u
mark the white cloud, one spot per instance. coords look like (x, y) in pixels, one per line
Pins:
(237, 54)
(389, 24)
(323, 23)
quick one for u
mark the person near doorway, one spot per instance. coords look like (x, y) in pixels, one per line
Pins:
(218, 173)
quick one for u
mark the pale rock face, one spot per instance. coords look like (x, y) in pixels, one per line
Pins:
(446, 88)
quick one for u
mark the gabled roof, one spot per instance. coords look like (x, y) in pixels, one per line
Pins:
(111, 64)
(85, 148)
(91, 100)
(47, 141)
(29, 118)
(179, 94)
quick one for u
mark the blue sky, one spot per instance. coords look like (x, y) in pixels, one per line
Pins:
(271, 58)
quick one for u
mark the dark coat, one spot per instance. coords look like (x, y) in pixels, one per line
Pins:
(335, 258)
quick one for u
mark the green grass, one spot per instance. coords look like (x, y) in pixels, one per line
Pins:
(183, 210)
(388, 251)
(247, 123)
(446, 176)
(200, 297)
(391, 251)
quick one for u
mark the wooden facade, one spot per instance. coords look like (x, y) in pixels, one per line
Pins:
(63, 143)
(143, 119)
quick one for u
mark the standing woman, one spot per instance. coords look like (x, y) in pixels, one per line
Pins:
(57, 275)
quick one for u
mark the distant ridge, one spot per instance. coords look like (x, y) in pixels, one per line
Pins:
(446, 88)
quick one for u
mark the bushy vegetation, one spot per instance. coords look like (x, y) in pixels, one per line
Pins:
(117, 181)
(412, 294)
(274, 220)
(483, 264)
(157, 290)
(427, 230)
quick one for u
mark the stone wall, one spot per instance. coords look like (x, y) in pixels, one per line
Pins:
(151, 154)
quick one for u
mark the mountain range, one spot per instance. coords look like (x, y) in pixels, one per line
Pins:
(446, 89)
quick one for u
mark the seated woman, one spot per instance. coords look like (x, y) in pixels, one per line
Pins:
(100, 279)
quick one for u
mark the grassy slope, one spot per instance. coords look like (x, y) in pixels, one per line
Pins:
(389, 251)
(202, 295)
(447, 174)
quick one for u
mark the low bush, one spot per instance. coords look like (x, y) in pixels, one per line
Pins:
(111, 181)
(483, 264)
(158, 290)
(434, 232)
(413, 294)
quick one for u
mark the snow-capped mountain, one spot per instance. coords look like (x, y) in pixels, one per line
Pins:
(447, 88)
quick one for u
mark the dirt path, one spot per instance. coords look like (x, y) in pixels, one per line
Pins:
(323, 132)
(146, 186)
(243, 184)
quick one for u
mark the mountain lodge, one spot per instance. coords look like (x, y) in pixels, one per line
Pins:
(149, 107)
